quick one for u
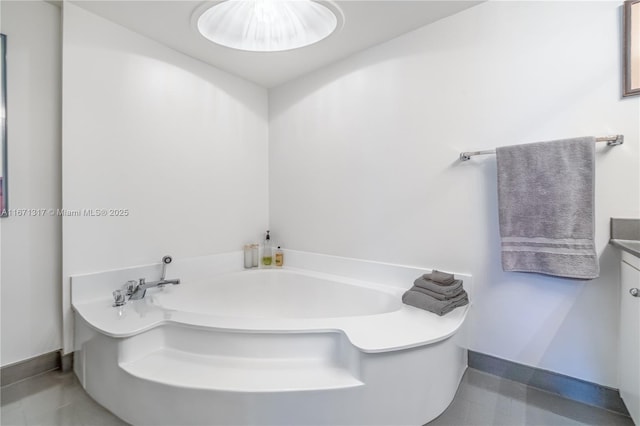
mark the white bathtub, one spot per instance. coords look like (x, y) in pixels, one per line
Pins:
(270, 347)
(276, 293)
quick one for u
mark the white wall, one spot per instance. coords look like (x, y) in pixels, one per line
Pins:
(180, 144)
(31, 246)
(363, 163)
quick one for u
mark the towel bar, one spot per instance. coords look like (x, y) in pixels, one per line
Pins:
(610, 140)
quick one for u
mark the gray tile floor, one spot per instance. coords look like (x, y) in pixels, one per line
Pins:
(483, 399)
(56, 398)
(53, 398)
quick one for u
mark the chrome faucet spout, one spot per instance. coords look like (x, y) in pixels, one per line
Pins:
(174, 281)
(141, 289)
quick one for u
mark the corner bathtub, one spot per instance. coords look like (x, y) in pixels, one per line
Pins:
(269, 347)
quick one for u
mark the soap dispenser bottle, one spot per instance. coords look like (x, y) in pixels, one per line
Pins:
(279, 257)
(267, 251)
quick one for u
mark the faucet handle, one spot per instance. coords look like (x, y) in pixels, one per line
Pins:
(130, 287)
(119, 298)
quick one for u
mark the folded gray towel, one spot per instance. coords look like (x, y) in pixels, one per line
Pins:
(428, 303)
(446, 290)
(440, 296)
(546, 208)
(439, 277)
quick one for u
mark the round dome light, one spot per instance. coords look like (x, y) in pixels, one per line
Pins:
(267, 25)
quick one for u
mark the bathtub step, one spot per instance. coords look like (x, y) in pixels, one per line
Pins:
(188, 370)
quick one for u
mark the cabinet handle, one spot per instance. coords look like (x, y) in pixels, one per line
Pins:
(635, 292)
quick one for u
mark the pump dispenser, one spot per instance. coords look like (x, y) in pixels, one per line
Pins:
(267, 251)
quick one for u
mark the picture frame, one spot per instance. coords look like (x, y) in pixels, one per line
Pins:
(631, 77)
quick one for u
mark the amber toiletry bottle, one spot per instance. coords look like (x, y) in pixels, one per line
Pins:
(279, 257)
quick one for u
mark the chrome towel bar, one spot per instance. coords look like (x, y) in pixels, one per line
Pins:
(612, 140)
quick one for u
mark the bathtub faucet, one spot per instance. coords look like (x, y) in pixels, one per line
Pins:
(140, 287)
(135, 290)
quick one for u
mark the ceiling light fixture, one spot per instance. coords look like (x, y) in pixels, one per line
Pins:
(268, 25)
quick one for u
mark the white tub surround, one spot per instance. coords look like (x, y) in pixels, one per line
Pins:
(276, 346)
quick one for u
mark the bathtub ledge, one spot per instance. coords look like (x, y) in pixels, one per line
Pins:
(372, 333)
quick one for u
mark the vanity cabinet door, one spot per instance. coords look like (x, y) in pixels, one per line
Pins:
(630, 339)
